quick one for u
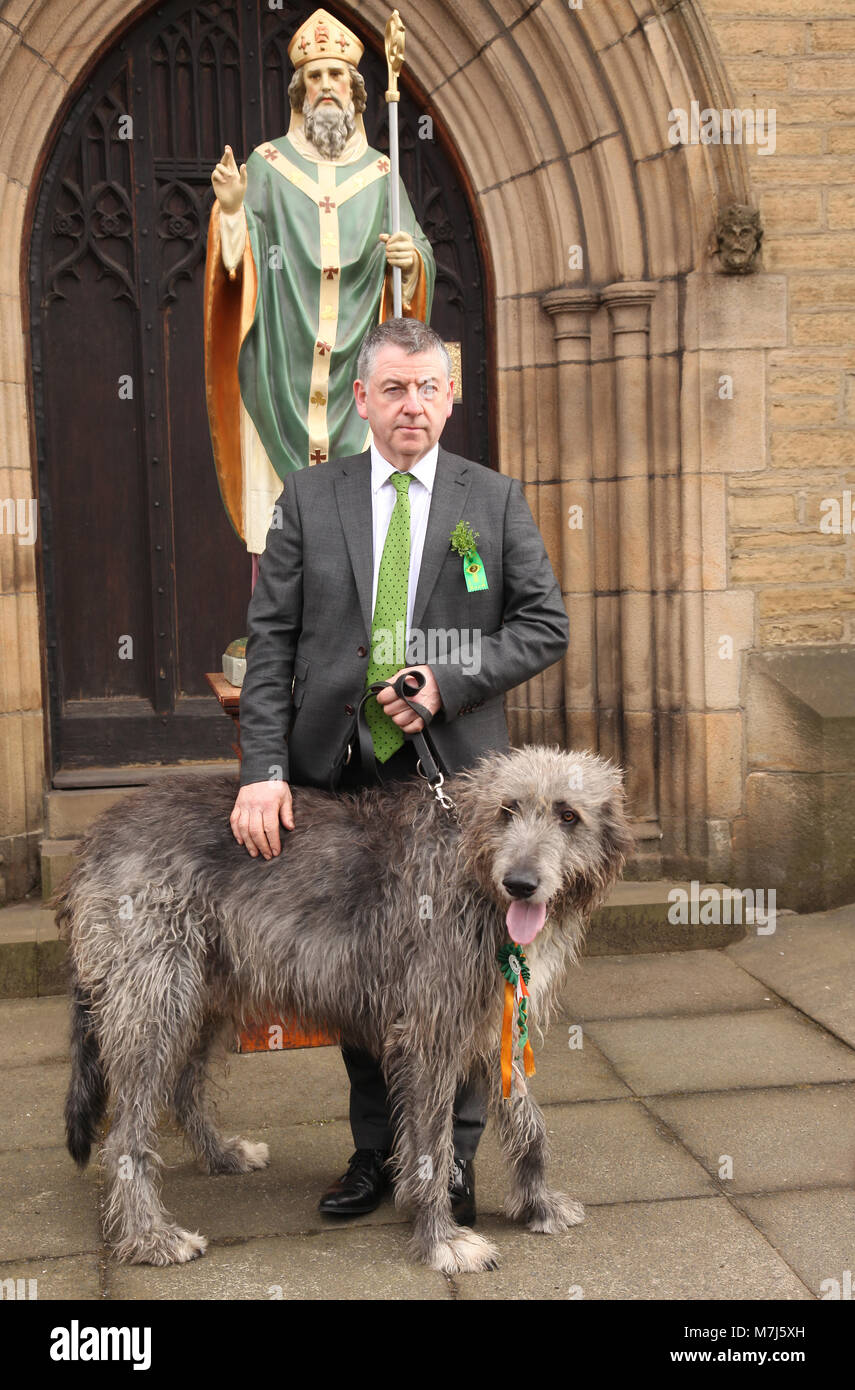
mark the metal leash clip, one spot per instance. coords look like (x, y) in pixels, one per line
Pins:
(436, 786)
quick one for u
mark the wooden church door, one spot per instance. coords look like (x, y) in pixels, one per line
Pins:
(145, 582)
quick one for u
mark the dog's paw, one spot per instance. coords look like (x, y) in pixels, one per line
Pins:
(256, 1155)
(165, 1245)
(238, 1156)
(463, 1253)
(554, 1212)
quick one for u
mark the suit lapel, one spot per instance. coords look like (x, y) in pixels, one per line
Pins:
(451, 484)
(353, 496)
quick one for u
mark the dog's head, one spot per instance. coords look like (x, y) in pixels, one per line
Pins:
(544, 832)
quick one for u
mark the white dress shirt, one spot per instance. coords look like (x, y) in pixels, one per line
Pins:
(383, 498)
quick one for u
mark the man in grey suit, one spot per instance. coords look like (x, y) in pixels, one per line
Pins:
(335, 560)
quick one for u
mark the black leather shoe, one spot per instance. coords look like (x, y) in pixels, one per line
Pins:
(360, 1189)
(462, 1191)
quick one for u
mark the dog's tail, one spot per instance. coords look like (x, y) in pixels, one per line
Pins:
(86, 1101)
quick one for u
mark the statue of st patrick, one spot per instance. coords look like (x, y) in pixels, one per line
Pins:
(299, 266)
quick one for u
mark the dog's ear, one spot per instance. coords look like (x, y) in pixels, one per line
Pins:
(615, 844)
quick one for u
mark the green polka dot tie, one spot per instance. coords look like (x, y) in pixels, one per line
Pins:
(390, 609)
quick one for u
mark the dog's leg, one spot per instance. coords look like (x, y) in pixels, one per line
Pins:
(135, 1219)
(143, 1032)
(422, 1093)
(522, 1134)
(194, 1114)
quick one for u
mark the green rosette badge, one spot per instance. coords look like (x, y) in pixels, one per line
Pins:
(463, 540)
(513, 965)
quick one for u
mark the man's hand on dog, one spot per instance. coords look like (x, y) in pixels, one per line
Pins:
(403, 716)
(256, 815)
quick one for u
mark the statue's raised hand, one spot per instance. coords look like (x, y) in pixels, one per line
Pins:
(229, 183)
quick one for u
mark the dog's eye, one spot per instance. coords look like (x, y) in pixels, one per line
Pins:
(508, 812)
(569, 817)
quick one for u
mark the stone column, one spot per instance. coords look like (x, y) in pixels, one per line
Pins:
(628, 303)
(571, 311)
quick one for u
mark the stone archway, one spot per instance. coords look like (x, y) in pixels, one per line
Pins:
(598, 366)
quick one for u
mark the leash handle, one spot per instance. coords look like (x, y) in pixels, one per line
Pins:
(408, 684)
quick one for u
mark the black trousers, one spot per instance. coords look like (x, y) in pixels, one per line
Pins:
(369, 1103)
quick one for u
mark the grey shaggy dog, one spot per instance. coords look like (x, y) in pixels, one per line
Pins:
(381, 919)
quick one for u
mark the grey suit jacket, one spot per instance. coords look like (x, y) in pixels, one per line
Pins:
(309, 619)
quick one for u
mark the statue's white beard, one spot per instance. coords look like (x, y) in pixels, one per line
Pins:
(328, 127)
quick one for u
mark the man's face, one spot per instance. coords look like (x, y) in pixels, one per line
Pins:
(406, 400)
(327, 85)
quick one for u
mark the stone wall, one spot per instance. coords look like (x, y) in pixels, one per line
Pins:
(790, 553)
(800, 60)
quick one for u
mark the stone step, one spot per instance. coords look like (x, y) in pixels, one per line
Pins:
(634, 920)
(77, 798)
(32, 957)
(70, 810)
(57, 857)
(637, 919)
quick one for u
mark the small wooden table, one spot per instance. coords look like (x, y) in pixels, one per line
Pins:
(229, 698)
(278, 1033)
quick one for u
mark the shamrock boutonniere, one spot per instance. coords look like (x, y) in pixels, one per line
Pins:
(463, 540)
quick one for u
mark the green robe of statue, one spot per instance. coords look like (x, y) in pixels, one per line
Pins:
(314, 282)
(321, 273)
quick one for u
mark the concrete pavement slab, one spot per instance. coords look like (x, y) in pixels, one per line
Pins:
(351, 1263)
(810, 961)
(572, 1073)
(716, 1052)
(692, 1249)
(74, 1277)
(31, 1105)
(669, 984)
(33, 1030)
(602, 1151)
(779, 1137)
(48, 1206)
(814, 1232)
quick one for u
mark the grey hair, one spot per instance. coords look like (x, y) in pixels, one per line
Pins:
(297, 89)
(411, 334)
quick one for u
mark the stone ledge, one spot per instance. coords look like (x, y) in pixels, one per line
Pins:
(632, 921)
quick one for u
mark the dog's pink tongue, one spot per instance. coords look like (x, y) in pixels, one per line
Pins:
(524, 921)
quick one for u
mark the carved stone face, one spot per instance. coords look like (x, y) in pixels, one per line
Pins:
(738, 238)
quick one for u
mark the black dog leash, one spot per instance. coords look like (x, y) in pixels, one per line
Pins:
(429, 764)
